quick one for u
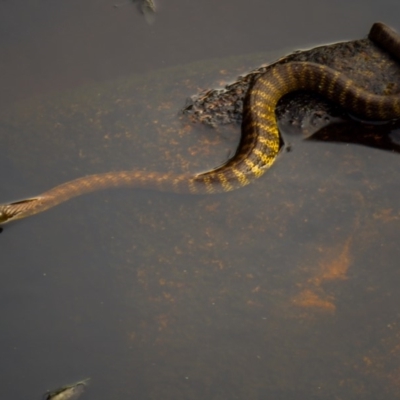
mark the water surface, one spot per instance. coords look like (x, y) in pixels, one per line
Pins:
(286, 289)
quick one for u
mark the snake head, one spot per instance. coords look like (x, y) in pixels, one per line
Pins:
(12, 211)
(5, 215)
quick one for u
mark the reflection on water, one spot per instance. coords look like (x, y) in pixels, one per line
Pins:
(285, 289)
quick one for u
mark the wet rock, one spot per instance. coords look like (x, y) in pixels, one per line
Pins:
(361, 60)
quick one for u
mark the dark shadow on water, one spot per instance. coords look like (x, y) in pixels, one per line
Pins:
(383, 136)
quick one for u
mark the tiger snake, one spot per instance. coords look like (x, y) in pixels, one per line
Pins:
(260, 140)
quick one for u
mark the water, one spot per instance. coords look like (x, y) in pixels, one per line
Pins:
(285, 289)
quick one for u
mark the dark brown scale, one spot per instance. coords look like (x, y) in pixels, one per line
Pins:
(260, 141)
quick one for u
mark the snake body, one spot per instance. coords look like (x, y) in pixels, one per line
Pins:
(260, 142)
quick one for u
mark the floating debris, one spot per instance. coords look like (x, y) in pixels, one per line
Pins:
(146, 7)
(68, 392)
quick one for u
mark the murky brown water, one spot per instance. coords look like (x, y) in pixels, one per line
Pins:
(286, 289)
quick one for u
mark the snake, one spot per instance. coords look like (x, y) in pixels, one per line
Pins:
(260, 141)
